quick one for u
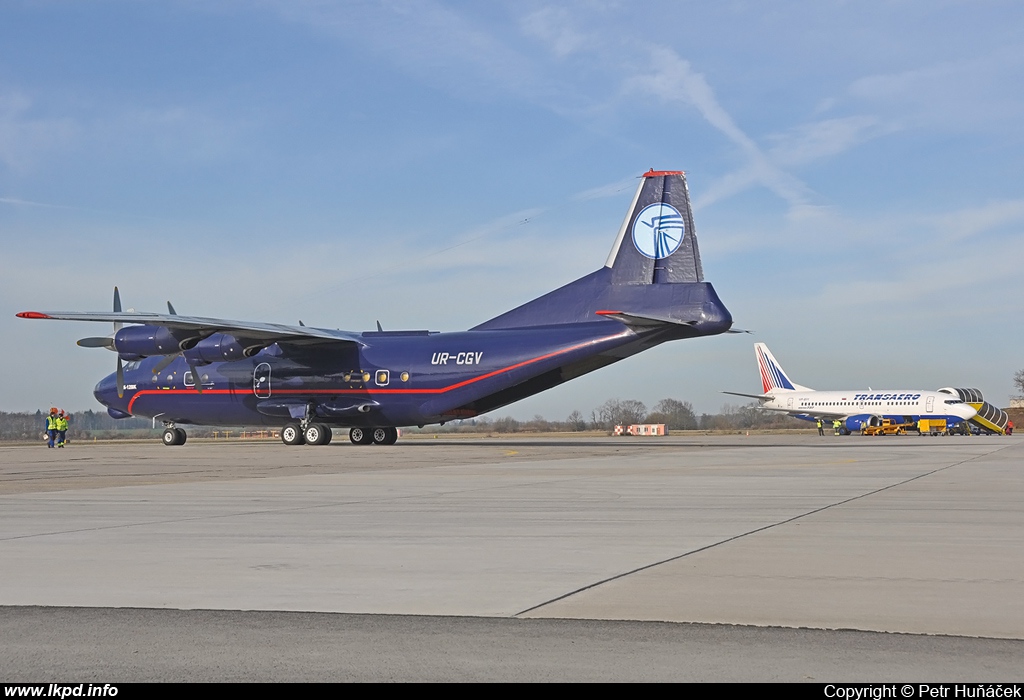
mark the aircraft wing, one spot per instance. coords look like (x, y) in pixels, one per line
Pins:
(271, 332)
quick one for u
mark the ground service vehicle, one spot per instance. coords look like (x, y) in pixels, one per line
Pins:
(887, 427)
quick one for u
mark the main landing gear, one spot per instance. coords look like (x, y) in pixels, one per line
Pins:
(312, 434)
(319, 434)
(373, 436)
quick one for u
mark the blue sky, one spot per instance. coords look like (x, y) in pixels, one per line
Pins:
(856, 169)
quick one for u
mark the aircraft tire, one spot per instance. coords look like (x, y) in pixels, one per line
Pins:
(328, 434)
(385, 436)
(291, 434)
(317, 434)
(173, 436)
(360, 436)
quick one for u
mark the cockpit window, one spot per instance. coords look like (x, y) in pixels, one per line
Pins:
(132, 365)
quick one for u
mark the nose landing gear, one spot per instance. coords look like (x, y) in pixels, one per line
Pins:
(173, 436)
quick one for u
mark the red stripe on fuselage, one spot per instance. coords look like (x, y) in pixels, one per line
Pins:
(440, 390)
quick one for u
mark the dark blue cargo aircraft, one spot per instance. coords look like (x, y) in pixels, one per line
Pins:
(206, 371)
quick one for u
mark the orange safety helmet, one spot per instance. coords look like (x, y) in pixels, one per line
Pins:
(52, 409)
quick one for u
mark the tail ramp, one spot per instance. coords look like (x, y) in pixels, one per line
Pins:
(652, 279)
(773, 377)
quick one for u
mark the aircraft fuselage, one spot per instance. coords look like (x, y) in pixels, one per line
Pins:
(396, 378)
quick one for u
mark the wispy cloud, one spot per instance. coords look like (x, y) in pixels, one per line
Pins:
(808, 143)
(965, 93)
(554, 27)
(610, 190)
(672, 79)
(26, 138)
(422, 37)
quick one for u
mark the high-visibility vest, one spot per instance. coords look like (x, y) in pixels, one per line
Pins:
(62, 424)
(51, 423)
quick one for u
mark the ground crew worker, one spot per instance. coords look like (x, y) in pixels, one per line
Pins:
(821, 430)
(836, 424)
(51, 427)
(62, 428)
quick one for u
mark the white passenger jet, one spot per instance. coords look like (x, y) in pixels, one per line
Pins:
(855, 407)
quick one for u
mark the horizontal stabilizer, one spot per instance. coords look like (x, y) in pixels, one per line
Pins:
(759, 397)
(643, 321)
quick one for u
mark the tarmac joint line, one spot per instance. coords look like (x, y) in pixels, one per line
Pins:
(677, 557)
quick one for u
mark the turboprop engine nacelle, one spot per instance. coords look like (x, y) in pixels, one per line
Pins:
(145, 341)
(220, 347)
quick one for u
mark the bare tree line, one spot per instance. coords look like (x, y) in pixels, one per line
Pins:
(675, 414)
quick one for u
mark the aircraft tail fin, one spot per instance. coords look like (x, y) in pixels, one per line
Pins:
(657, 241)
(773, 377)
(652, 282)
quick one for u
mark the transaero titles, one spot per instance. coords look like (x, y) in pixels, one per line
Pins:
(923, 690)
(886, 397)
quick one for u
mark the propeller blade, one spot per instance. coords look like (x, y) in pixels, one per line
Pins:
(379, 329)
(168, 359)
(117, 309)
(196, 377)
(170, 309)
(106, 342)
(120, 378)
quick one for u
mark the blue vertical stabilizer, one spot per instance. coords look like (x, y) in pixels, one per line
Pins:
(651, 280)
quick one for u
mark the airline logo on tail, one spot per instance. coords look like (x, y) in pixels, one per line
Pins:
(772, 376)
(658, 230)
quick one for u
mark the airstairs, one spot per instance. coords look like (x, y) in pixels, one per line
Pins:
(989, 417)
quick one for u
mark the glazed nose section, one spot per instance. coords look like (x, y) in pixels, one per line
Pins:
(106, 391)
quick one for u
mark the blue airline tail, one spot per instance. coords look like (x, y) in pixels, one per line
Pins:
(652, 279)
(773, 377)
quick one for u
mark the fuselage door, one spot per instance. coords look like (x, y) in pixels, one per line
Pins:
(929, 404)
(789, 404)
(261, 380)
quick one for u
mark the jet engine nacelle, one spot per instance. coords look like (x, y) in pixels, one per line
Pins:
(855, 423)
(146, 341)
(219, 347)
